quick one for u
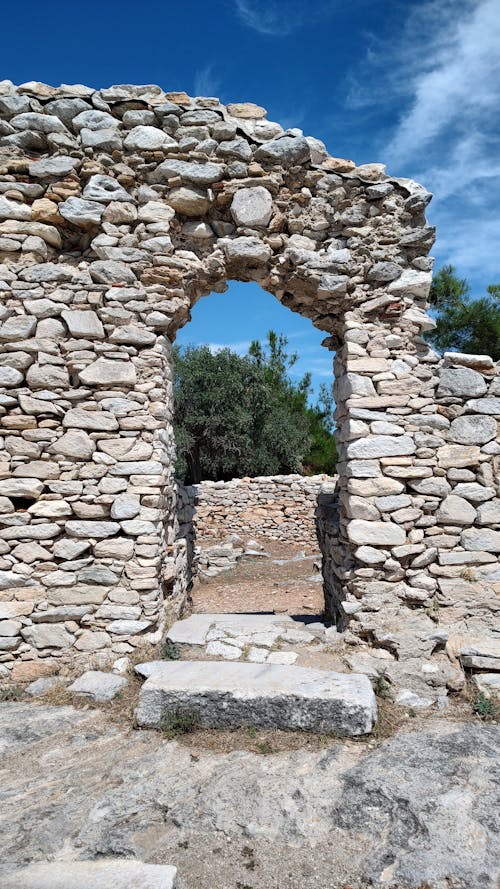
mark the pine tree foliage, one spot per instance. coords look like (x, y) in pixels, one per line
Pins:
(239, 416)
(464, 324)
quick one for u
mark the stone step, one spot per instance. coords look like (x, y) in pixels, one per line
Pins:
(111, 874)
(226, 695)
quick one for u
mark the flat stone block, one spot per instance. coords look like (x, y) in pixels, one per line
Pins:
(97, 685)
(101, 874)
(194, 629)
(222, 694)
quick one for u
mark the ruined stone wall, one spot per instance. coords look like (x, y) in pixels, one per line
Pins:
(119, 209)
(281, 507)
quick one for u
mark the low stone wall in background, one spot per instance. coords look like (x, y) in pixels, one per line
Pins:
(280, 507)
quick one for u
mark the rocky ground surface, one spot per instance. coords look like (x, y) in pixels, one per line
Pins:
(233, 811)
(270, 575)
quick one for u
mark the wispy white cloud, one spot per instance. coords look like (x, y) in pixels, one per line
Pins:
(279, 18)
(207, 82)
(442, 69)
(240, 346)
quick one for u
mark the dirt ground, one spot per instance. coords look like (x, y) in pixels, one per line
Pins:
(258, 584)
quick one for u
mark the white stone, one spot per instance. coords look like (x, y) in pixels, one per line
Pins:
(125, 506)
(117, 873)
(98, 686)
(376, 533)
(282, 657)
(80, 212)
(74, 444)
(473, 430)
(456, 511)
(222, 649)
(252, 207)
(83, 323)
(482, 539)
(47, 636)
(91, 529)
(105, 372)
(381, 446)
(21, 487)
(145, 138)
(268, 696)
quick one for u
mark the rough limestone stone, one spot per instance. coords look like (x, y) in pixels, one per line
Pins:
(376, 533)
(461, 381)
(189, 201)
(271, 695)
(148, 138)
(47, 636)
(75, 444)
(97, 685)
(481, 539)
(252, 207)
(117, 873)
(456, 511)
(91, 529)
(381, 446)
(109, 373)
(80, 212)
(474, 430)
(83, 323)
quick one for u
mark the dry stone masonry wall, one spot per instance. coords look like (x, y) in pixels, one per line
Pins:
(119, 209)
(281, 507)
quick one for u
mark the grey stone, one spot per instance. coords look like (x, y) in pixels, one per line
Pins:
(21, 487)
(224, 694)
(473, 430)
(83, 323)
(60, 165)
(147, 138)
(109, 373)
(489, 513)
(47, 635)
(461, 381)
(249, 251)
(375, 533)
(474, 492)
(91, 529)
(81, 212)
(117, 873)
(41, 123)
(98, 686)
(482, 539)
(48, 376)
(456, 511)
(197, 173)
(484, 406)
(384, 271)
(10, 377)
(290, 801)
(125, 506)
(108, 271)
(94, 120)
(287, 151)
(252, 207)
(98, 421)
(189, 201)
(19, 327)
(127, 627)
(42, 685)
(380, 446)
(104, 189)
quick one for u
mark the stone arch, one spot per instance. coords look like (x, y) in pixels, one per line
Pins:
(121, 208)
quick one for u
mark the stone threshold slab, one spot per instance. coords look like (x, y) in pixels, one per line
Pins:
(194, 630)
(101, 874)
(226, 695)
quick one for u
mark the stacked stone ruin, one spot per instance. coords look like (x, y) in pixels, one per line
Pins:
(119, 209)
(276, 507)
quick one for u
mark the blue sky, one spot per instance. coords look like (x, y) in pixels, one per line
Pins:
(411, 83)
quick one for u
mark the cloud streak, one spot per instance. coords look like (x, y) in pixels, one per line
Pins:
(279, 18)
(207, 82)
(443, 70)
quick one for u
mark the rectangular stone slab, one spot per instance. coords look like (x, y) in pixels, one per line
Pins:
(103, 874)
(224, 695)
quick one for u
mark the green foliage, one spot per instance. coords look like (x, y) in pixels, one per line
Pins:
(178, 722)
(171, 651)
(464, 324)
(11, 693)
(244, 415)
(484, 707)
(382, 687)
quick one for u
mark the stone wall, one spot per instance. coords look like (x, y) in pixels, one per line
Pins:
(119, 209)
(281, 507)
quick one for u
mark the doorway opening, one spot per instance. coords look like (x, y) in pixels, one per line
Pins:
(256, 452)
